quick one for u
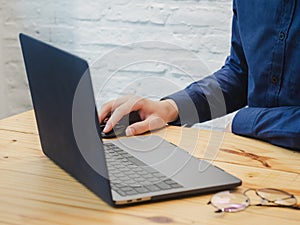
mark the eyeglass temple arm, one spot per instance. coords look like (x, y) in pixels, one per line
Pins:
(297, 206)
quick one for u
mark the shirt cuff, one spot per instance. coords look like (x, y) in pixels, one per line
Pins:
(187, 111)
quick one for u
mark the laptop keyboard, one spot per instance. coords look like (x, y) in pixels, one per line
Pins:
(130, 176)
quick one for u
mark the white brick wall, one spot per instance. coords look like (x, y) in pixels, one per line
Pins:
(3, 110)
(193, 36)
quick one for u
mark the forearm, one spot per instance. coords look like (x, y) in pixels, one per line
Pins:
(221, 93)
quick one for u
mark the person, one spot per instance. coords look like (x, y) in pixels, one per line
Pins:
(260, 78)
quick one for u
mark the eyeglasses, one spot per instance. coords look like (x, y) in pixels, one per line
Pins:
(233, 201)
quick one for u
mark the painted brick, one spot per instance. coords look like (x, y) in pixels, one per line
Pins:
(193, 34)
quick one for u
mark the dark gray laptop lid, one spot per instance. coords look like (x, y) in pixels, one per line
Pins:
(58, 81)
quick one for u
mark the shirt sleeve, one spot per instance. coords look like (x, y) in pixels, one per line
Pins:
(220, 93)
(279, 126)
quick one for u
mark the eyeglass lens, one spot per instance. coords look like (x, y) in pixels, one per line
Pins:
(227, 201)
(276, 196)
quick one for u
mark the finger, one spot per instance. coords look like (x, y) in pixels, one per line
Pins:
(105, 110)
(117, 115)
(130, 104)
(112, 105)
(151, 123)
(125, 100)
(109, 107)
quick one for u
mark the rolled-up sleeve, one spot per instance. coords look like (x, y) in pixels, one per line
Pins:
(279, 125)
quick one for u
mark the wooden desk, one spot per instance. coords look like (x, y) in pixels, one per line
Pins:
(33, 190)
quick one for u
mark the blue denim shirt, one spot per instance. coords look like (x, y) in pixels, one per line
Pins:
(261, 72)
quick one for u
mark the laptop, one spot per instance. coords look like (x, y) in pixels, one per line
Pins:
(120, 171)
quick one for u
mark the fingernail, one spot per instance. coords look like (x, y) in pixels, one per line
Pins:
(130, 131)
(107, 127)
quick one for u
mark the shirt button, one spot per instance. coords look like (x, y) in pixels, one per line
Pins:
(281, 36)
(274, 80)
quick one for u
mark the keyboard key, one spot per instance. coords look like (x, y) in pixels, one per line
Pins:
(132, 192)
(152, 188)
(141, 190)
(163, 186)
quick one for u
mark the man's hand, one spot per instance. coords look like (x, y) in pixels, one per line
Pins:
(154, 114)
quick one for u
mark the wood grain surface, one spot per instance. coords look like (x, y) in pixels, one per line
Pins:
(33, 190)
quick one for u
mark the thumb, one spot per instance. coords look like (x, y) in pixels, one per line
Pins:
(151, 123)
